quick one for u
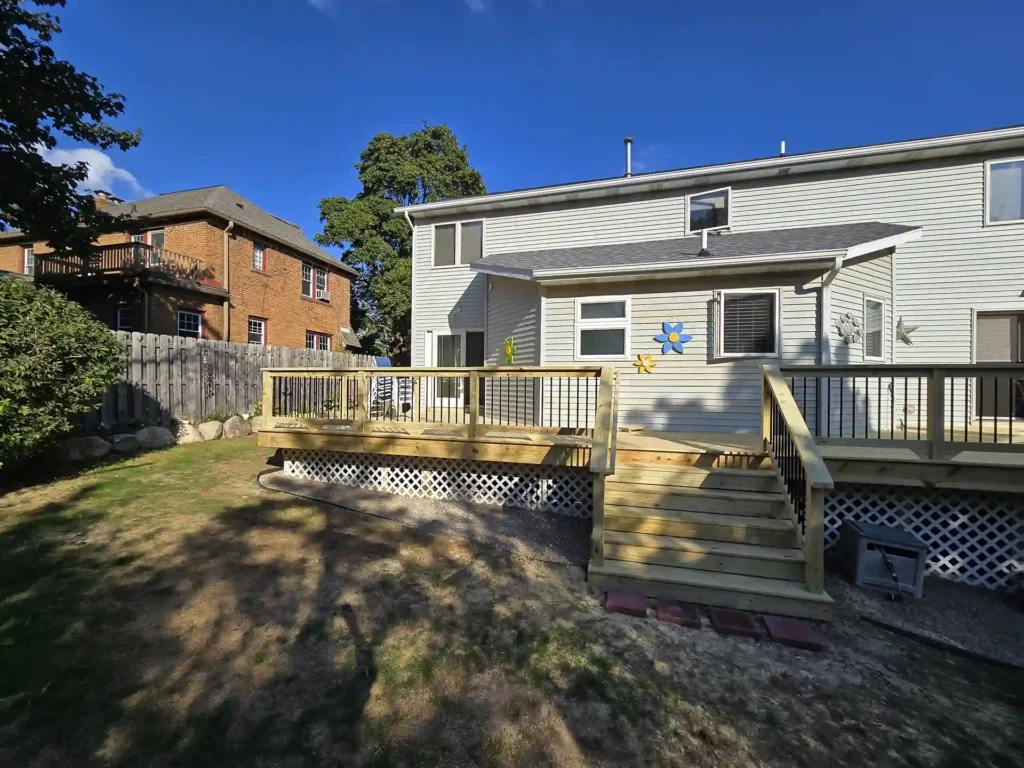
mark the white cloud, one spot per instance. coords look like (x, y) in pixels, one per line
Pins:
(103, 172)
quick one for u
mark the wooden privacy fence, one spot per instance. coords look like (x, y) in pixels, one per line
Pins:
(171, 377)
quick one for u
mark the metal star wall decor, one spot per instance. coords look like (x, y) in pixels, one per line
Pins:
(903, 332)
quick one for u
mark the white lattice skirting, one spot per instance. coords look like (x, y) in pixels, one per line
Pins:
(565, 490)
(976, 537)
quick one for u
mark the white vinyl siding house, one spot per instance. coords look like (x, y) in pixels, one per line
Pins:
(961, 265)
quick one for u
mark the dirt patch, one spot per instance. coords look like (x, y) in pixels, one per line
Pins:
(210, 622)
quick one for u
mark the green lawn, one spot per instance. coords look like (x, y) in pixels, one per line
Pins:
(166, 611)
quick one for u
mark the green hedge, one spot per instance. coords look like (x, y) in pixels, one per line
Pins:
(56, 361)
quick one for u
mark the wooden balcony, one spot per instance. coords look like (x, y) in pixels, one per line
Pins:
(127, 260)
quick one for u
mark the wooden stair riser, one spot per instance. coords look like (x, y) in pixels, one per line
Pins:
(741, 533)
(691, 478)
(653, 497)
(703, 595)
(703, 460)
(747, 566)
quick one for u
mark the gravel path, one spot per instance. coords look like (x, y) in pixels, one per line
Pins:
(536, 535)
(974, 618)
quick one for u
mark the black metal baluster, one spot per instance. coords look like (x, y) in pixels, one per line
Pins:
(879, 408)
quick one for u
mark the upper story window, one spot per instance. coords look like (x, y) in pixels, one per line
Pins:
(190, 324)
(460, 243)
(314, 282)
(708, 210)
(602, 328)
(1004, 200)
(748, 323)
(874, 329)
(28, 260)
(257, 256)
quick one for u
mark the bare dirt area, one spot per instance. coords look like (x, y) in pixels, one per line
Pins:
(167, 611)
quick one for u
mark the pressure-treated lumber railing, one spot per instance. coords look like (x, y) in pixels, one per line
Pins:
(497, 403)
(800, 467)
(936, 410)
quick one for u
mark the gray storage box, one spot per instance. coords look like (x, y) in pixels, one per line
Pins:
(860, 546)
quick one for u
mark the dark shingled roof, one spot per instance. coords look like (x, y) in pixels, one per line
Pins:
(685, 250)
(226, 204)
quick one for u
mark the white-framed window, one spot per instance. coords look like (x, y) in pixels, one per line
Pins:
(749, 323)
(321, 341)
(602, 328)
(874, 328)
(257, 331)
(1004, 191)
(708, 210)
(124, 319)
(155, 237)
(190, 324)
(257, 257)
(28, 259)
(314, 282)
(458, 244)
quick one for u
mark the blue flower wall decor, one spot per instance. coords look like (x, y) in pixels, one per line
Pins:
(672, 338)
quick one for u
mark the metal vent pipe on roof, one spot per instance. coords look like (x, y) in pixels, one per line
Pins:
(782, 147)
(628, 141)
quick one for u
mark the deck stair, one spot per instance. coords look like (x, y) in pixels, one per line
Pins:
(690, 530)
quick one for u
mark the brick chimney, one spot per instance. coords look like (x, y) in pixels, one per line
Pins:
(105, 199)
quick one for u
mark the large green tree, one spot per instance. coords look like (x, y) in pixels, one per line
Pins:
(41, 98)
(425, 166)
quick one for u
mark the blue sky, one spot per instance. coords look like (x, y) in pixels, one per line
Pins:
(276, 98)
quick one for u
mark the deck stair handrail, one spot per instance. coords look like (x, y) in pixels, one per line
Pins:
(799, 466)
(498, 403)
(120, 258)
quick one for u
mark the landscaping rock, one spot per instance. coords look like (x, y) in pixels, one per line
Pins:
(188, 433)
(211, 430)
(236, 426)
(84, 448)
(124, 443)
(154, 437)
(256, 423)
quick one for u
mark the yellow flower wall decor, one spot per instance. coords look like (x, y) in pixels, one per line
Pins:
(644, 363)
(510, 350)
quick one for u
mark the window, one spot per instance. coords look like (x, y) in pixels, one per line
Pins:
(749, 324)
(708, 210)
(257, 256)
(307, 280)
(29, 259)
(124, 319)
(319, 341)
(156, 238)
(1004, 201)
(314, 282)
(602, 328)
(190, 324)
(874, 329)
(257, 331)
(461, 243)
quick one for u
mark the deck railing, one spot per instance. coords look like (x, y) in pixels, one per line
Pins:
(495, 403)
(121, 258)
(937, 410)
(789, 443)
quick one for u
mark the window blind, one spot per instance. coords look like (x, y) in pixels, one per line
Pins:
(444, 245)
(472, 242)
(748, 324)
(874, 322)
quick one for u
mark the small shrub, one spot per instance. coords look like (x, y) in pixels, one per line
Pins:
(219, 414)
(56, 361)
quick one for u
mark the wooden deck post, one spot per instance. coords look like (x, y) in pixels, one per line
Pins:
(597, 532)
(599, 458)
(362, 400)
(814, 539)
(936, 413)
(268, 400)
(766, 412)
(474, 403)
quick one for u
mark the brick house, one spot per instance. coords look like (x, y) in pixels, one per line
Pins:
(205, 263)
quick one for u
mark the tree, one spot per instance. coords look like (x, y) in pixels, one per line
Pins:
(56, 360)
(423, 167)
(42, 97)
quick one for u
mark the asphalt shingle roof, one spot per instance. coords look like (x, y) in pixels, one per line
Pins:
(685, 250)
(228, 204)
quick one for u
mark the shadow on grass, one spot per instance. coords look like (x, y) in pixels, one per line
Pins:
(284, 632)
